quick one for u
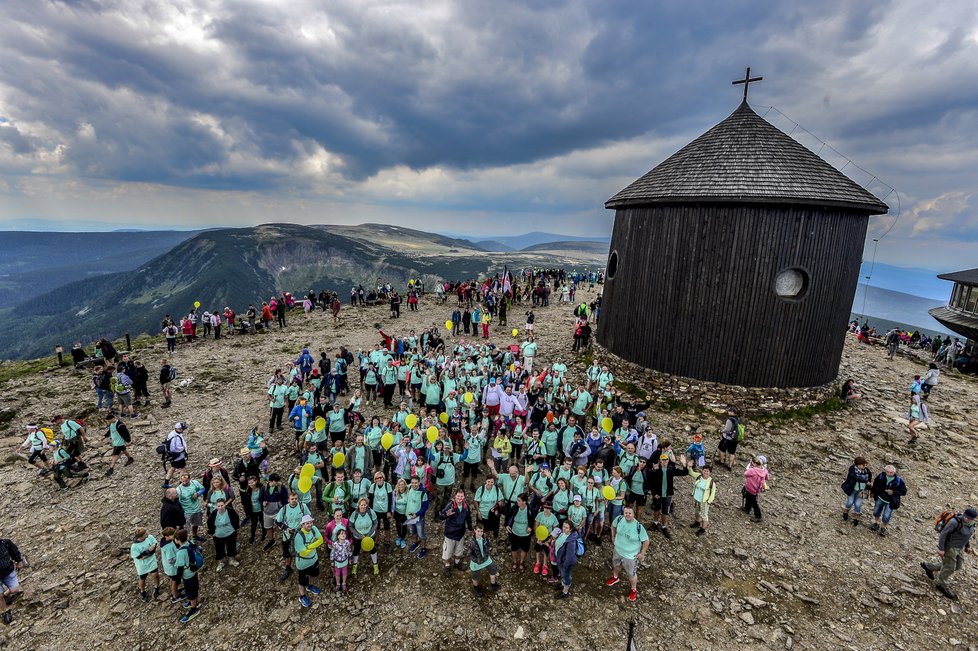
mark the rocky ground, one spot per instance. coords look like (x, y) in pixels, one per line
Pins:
(801, 579)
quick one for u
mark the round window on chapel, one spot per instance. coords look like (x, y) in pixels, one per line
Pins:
(612, 265)
(791, 284)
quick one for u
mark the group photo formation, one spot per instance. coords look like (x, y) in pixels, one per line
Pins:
(510, 326)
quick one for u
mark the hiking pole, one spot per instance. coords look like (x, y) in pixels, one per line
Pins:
(630, 644)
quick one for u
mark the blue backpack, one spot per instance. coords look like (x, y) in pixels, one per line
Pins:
(580, 547)
(196, 557)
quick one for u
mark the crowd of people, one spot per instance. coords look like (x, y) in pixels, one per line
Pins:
(458, 426)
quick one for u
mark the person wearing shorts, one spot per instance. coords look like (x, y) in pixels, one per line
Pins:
(728, 440)
(118, 434)
(305, 543)
(143, 554)
(631, 542)
(480, 560)
(458, 520)
(10, 561)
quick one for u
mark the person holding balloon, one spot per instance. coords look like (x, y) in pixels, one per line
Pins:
(305, 545)
(544, 523)
(312, 457)
(363, 529)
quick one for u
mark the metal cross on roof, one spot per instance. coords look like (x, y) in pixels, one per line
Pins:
(746, 81)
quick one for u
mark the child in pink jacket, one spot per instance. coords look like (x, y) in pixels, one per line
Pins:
(755, 482)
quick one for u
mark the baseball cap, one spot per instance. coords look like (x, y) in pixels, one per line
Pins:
(761, 459)
(544, 466)
(577, 498)
(179, 426)
(663, 457)
(970, 513)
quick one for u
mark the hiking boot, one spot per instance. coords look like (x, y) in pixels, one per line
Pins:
(268, 545)
(156, 593)
(875, 526)
(190, 615)
(144, 596)
(845, 516)
(947, 592)
(562, 595)
(128, 462)
(110, 472)
(701, 532)
(695, 525)
(8, 617)
(448, 571)
(286, 573)
(855, 522)
(882, 532)
(929, 572)
(478, 591)
(666, 532)
(422, 553)
(494, 587)
(166, 485)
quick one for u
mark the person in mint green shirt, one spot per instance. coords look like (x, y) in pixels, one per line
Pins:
(337, 423)
(289, 520)
(277, 394)
(474, 444)
(168, 559)
(547, 519)
(512, 485)
(581, 404)
(143, 554)
(305, 545)
(443, 463)
(363, 524)
(416, 507)
(518, 528)
(548, 443)
(577, 514)
(487, 500)
(631, 542)
(222, 524)
(187, 571)
(480, 559)
(191, 492)
(562, 499)
(119, 437)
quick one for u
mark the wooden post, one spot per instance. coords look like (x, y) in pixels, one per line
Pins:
(60, 352)
(128, 343)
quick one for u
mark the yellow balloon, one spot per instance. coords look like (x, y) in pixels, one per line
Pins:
(367, 544)
(609, 493)
(542, 533)
(305, 483)
(432, 433)
(320, 424)
(443, 417)
(468, 397)
(308, 470)
(411, 421)
(607, 424)
(516, 333)
(448, 325)
(339, 459)
(387, 440)
(197, 304)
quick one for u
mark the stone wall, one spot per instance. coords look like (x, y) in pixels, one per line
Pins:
(710, 395)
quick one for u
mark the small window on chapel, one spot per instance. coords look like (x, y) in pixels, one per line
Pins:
(612, 265)
(791, 284)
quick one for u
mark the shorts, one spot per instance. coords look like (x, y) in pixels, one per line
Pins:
(703, 511)
(417, 529)
(37, 454)
(728, 445)
(191, 586)
(452, 548)
(144, 575)
(11, 581)
(638, 499)
(595, 517)
(267, 521)
(125, 399)
(117, 450)
(519, 543)
(309, 573)
(179, 464)
(470, 470)
(490, 568)
(195, 519)
(630, 565)
(663, 504)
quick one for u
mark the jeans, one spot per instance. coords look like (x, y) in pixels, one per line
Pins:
(614, 510)
(855, 502)
(883, 511)
(565, 575)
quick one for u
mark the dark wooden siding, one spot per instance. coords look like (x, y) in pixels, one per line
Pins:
(694, 291)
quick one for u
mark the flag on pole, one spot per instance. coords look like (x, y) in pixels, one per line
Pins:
(507, 284)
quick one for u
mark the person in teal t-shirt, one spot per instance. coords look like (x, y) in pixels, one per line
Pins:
(306, 545)
(480, 550)
(143, 554)
(631, 542)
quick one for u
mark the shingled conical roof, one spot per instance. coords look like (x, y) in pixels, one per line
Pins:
(746, 159)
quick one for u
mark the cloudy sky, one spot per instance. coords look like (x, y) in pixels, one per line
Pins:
(469, 117)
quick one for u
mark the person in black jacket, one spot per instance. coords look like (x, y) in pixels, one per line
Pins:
(11, 560)
(458, 519)
(480, 558)
(660, 485)
(222, 524)
(888, 488)
(140, 383)
(171, 513)
(566, 557)
(857, 480)
(246, 467)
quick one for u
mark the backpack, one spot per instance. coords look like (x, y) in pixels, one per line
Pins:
(741, 432)
(944, 519)
(348, 357)
(173, 373)
(114, 385)
(581, 548)
(124, 433)
(196, 557)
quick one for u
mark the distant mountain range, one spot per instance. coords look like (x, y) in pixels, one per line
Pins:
(32, 263)
(885, 308)
(502, 243)
(235, 267)
(909, 280)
